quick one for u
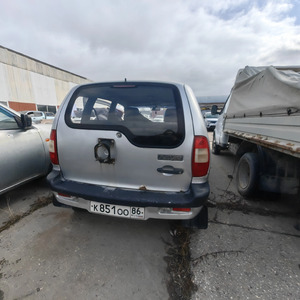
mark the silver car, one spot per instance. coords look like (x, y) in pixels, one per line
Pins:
(132, 149)
(24, 151)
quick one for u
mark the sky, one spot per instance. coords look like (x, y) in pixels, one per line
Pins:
(202, 43)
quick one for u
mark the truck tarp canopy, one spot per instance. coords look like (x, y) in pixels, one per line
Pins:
(265, 91)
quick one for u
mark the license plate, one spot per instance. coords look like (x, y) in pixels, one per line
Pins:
(118, 210)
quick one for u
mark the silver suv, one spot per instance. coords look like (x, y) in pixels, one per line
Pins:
(132, 149)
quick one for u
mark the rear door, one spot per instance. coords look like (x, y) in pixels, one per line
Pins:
(129, 135)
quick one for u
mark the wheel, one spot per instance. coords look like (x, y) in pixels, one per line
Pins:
(216, 149)
(247, 174)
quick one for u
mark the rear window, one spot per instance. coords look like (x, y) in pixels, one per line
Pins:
(150, 115)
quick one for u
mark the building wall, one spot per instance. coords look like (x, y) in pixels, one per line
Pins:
(29, 84)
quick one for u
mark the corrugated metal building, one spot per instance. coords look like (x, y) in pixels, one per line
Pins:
(29, 84)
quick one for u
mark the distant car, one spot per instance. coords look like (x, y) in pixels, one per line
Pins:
(50, 115)
(204, 111)
(38, 116)
(23, 150)
(210, 120)
(135, 151)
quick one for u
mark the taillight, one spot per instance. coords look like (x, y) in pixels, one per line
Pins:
(200, 161)
(181, 209)
(53, 147)
(64, 195)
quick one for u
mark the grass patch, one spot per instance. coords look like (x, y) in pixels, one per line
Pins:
(13, 219)
(180, 284)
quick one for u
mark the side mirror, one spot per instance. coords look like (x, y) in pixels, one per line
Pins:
(26, 121)
(214, 110)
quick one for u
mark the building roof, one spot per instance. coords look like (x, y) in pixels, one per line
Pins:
(5, 59)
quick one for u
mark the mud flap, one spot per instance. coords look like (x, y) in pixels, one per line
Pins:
(199, 222)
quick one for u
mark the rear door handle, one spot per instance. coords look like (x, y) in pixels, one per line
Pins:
(170, 170)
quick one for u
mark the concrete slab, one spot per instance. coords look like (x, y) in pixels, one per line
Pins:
(251, 249)
(246, 256)
(55, 253)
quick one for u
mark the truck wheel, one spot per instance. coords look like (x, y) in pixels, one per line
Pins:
(247, 174)
(216, 149)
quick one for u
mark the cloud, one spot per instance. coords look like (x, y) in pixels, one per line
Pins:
(201, 43)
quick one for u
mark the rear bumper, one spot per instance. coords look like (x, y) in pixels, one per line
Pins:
(155, 203)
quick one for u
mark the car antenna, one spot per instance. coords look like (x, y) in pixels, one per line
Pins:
(125, 79)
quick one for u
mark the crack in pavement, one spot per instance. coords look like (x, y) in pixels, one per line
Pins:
(246, 208)
(255, 229)
(195, 261)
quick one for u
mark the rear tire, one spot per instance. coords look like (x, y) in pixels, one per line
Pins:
(247, 174)
(216, 149)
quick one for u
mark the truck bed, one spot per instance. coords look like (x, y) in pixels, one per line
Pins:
(279, 133)
(265, 108)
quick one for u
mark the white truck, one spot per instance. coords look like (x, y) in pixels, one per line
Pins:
(260, 123)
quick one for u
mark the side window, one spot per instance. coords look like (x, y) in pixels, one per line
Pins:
(96, 111)
(7, 121)
(100, 109)
(146, 118)
(77, 109)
